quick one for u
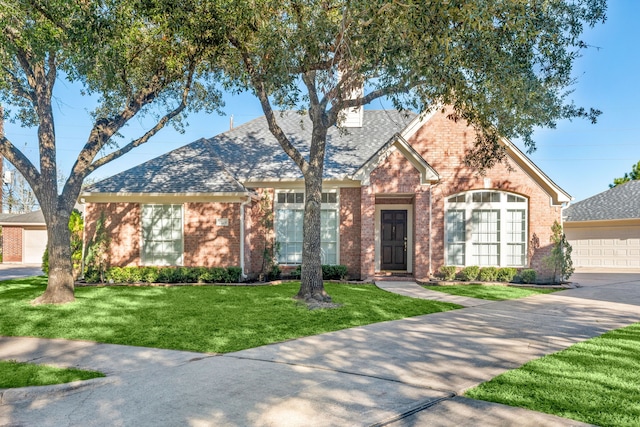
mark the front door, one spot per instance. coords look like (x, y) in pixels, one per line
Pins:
(394, 240)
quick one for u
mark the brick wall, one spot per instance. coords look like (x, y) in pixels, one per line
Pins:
(350, 231)
(122, 222)
(444, 144)
(207, 244)
(11, 244)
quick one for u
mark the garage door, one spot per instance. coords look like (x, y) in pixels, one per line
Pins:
(605, 247)
(34, 244)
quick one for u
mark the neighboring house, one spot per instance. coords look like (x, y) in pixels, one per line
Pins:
(397, 197)
(604, 230)
(24, 238)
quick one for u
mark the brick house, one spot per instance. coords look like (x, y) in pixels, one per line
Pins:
(24, 238)
(397, 197)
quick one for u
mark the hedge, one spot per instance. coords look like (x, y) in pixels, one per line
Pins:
(169, 275)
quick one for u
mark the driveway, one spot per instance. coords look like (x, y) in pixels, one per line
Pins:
(16, 271)
(409, 372)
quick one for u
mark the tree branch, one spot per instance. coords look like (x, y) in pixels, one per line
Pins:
(19, 160)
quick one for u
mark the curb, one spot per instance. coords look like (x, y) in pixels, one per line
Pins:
(16, 395)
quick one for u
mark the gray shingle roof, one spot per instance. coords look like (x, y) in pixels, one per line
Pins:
(619, 202)
(251, 152)
(34, 218)
(189, 169)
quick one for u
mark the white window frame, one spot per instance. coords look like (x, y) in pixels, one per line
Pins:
(507, 203)
(143, 258)
(279, 206)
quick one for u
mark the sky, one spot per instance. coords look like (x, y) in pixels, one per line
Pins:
(580, 157)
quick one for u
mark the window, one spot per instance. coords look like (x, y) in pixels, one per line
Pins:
(162, 241)
(455, 237)
(490, 230)
(289, 220)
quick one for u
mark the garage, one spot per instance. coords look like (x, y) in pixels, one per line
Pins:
(35, 243)
(24, 238)
(604, 230)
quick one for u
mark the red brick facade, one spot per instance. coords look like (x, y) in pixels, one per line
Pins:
(11, 244)
(395, 181)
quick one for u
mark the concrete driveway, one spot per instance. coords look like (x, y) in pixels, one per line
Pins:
(16, 271)
(409, 372)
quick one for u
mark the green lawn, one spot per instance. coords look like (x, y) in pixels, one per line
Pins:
(18, 374)
(596, 381)
(197, 318)
(490, 292)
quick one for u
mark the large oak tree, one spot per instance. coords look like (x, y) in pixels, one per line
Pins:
(129, 65)
(503, 66)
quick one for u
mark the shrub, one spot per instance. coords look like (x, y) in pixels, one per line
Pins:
(528, 276)
(448, 272)
(334, 272)
(329, 272)
(170, 275)
(559, 260)
(488, 274)
(469, 273)
(506, 274)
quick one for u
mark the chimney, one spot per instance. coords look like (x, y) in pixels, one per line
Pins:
(352, 117)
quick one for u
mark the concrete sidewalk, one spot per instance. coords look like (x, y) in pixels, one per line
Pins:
(401, 373)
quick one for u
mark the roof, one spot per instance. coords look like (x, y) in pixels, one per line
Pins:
(29, 218)
(619, 202)
(193, 168)
(250, 152)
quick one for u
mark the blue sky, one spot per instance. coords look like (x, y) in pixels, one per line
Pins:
(580, 157)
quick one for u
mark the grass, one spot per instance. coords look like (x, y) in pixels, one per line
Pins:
(595, 381)
(18, 374)
(490, 292)
(197, 318)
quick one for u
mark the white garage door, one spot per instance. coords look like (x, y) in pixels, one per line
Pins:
(605, 247)
(34, 244)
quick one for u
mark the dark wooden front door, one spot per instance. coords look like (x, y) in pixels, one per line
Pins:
(394, 240)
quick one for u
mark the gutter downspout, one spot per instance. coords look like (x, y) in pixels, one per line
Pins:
(242, 234)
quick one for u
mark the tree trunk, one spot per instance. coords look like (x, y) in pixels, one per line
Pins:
(60, 285)
(312, 287)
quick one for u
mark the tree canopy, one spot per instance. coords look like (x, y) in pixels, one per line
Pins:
(628, 176)
(114, 54)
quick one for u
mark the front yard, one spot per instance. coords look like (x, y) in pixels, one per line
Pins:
(217, 319)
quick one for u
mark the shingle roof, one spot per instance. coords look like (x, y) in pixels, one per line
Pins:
(189, 169)
(619, 202)
(34, 218)
(251, 152)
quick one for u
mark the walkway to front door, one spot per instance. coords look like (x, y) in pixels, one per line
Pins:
(394, 240)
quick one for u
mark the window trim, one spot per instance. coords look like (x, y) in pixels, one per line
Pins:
(455, 202)
(300, 206)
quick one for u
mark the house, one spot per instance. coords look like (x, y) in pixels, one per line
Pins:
(604, 230)
(397, 197)
(24, 238)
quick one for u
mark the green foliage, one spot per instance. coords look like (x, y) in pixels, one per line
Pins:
(490, 292)
(506, 274)
(97, 257)
(270, 269)
(329, 272)
(18, 374)
(528, 276)
(488, 274)
(559, 260)
(216, 319)
(594, 381)
(448, 272)
(173, 274)
(628, 176)
(469, 273)
(76, 227)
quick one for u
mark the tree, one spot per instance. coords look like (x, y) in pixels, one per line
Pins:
(559, 260)
(504, 67)
(17, 195)
(112, 53)
(630, 176)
